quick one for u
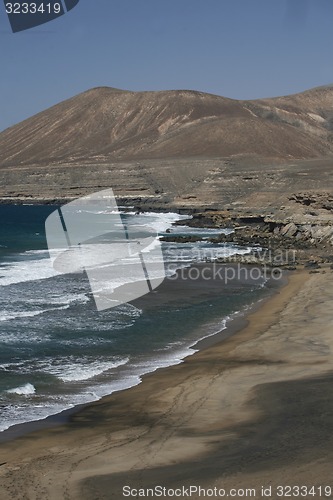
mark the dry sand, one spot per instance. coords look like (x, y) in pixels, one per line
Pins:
(256, 409)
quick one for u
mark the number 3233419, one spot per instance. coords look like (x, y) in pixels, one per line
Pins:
(33, 8)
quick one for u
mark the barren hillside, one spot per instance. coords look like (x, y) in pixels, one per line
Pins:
(180, 148)
(106, 124)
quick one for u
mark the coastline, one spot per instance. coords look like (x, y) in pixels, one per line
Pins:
(169, 291)
(217, 418)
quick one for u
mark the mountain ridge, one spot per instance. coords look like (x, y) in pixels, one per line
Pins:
(108, 124)
(167, 149)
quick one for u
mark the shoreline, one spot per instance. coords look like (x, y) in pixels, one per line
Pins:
(252, 410)
(143, 206)
(234, 324)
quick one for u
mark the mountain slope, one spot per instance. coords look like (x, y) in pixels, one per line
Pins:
(105, 124)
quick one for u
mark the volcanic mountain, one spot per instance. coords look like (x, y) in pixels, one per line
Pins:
(148, 143)
(109, 124)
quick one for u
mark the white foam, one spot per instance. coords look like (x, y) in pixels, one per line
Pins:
(64, 301)
(129, 378)
(81, 369)
(23, 390)
(9, 316)
(160, 222)
(20, 414)
(26, 270)
(103, 212)
(36, 252)
(19, 337)
(186, 230)
(214, 330)
(87, 369)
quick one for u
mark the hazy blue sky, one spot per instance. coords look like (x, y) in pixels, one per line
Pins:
(237, 48)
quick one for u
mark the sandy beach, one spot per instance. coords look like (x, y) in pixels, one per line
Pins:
(254, 410)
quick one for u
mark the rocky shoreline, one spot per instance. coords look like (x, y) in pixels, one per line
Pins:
(298, 234)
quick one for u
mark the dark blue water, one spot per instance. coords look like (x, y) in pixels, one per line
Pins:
(57, 350)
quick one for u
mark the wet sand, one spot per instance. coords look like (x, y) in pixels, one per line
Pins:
(253, 410)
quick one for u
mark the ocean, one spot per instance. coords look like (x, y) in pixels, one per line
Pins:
(57, 351)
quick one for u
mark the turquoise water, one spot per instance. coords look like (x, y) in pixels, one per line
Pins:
(57, 350)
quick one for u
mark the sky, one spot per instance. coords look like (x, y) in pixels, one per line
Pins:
(243, 49)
